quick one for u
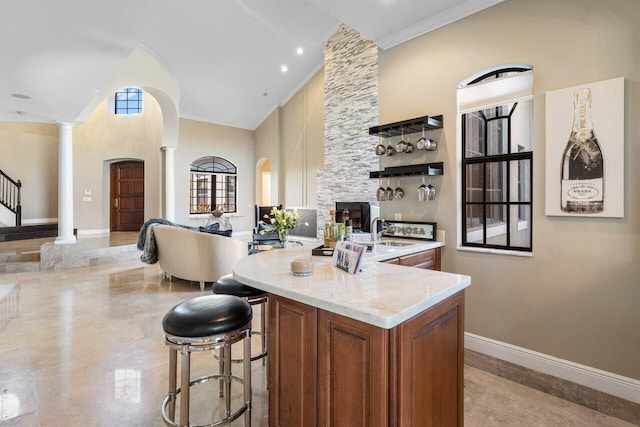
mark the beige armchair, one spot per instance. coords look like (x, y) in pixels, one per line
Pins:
(196, 256)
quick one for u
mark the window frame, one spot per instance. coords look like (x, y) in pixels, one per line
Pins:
(217, 172)
(485, 161)
(131, 107)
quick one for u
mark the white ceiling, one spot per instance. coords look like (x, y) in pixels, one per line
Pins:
(224, 54)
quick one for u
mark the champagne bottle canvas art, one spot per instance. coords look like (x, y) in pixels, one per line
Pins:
(585, 150)
(582, 162)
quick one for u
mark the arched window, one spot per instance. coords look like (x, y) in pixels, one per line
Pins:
(213, 185)
(496, 108)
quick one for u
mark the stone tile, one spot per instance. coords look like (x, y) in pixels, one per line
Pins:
(619, 408)
(521, 375)
(87, 350)
(481, 361)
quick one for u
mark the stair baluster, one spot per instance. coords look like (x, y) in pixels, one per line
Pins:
(10, 196)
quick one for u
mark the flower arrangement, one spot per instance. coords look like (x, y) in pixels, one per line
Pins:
(280, 221)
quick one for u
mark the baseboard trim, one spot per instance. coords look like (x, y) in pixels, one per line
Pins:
(606, 382)
(94, 232)
(39, 221)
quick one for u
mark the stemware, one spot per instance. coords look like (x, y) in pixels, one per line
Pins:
(388, 193)
(390, 150)
(431, 191)
(380, 149)
(381, 193)
(398, 193)
(401, 146)
(421, 142)
(422, 191)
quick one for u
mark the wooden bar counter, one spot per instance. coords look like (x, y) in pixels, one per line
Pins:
(383, 347)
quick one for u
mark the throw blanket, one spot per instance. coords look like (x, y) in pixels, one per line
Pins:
(147, 239)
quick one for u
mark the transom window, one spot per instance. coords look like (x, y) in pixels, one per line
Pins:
(128, 101)
(497, 156)
(213, 185)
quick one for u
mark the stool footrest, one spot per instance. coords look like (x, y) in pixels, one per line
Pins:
(194, 382)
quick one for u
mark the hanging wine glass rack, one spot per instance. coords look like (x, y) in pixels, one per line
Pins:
(407, 126)
(430, 169)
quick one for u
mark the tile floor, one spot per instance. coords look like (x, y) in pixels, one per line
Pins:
(84, 347)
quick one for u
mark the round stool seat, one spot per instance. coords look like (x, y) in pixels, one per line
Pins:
(227, 285)
(207, 315)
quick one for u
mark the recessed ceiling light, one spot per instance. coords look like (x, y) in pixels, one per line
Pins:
(20, 96)
(21, 113)
(265, 93)
(284, 68)
(299, 51)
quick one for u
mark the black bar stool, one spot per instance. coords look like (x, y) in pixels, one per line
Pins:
(201, 324)
(227, 285)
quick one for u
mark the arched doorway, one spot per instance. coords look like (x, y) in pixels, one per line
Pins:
(263, 182)
(127, 195)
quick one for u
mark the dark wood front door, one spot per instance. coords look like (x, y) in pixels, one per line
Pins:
(127, 196)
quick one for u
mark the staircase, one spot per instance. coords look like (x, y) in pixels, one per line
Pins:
(19, 262)
(43, 254)
(9, 234)
(10, 196)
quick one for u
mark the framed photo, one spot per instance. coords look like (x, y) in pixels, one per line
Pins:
(585, 150)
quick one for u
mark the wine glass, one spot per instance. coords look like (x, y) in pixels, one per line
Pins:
(401, 146)
(388, 193)
(398, 193)
(421, 142)
(422, 191)
(381, 193)
(431, 191)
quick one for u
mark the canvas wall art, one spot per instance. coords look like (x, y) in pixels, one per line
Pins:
(585, 150)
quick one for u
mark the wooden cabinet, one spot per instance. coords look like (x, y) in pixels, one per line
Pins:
(352, 372)
(293, 352)
(430, 366)
(329, 370)
(428, 260)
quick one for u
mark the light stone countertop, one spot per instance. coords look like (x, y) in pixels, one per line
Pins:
(383, 295)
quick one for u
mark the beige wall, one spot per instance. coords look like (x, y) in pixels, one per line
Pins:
(303, 143)
(199, 139)
(577, 297)
(292, 138)
(29, 153)
(106, 138)
(267, 146)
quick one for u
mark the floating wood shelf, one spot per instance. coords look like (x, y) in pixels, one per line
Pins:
(407, 126)
(430, 169)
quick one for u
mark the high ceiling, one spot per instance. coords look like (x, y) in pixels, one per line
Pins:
(225, 55)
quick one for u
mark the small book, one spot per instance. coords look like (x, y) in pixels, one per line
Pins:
(348, 255)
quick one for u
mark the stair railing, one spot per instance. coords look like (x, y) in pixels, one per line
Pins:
(10, 196)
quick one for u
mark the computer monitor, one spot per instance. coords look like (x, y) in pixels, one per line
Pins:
(307, 226)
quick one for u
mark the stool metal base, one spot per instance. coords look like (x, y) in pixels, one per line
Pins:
(263, 301)
(222, 342)
(170, 400)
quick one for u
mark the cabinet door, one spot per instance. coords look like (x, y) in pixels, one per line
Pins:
(429, 260)
(430, 362)
(292, 363)
(352, 372)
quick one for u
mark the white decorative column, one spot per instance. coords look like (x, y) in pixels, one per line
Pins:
(169, 184)
(65, 184)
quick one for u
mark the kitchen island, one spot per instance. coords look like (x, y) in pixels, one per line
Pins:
(383, 347)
